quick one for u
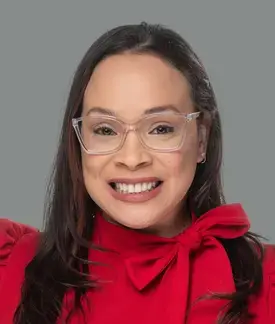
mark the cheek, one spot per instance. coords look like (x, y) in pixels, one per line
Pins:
(92, 167)
(181, 161)
(181, 167)
(88, 167)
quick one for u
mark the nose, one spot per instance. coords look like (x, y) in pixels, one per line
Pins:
(133, 155)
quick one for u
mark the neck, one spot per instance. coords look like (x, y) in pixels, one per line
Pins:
(172, 225)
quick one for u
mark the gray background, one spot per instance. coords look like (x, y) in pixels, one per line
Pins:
(41, 43)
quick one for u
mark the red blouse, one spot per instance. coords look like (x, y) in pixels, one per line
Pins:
(143, 278)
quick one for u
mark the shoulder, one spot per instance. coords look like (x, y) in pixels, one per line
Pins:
(11, 233)
(18, 244)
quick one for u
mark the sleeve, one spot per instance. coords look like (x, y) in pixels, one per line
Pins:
(10, 233)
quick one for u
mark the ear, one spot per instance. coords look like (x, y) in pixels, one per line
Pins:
(202, 143)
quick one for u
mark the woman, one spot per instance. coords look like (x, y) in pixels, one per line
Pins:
(137, 229)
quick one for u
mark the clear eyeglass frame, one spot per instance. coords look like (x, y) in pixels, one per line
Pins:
(132, 127)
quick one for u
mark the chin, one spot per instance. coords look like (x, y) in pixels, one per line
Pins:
(137, 220)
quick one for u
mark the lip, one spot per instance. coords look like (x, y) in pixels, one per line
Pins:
(134, 181)
(140, 197)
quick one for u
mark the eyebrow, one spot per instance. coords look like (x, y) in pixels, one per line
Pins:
(153, 110)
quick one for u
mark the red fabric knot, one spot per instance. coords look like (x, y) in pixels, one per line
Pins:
(191, 239)
(155, 256)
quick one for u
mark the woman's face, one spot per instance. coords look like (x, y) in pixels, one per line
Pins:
(129, 85)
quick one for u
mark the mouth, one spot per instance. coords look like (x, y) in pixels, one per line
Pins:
(135, 188)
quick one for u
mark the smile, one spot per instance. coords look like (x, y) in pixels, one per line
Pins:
(134, 188)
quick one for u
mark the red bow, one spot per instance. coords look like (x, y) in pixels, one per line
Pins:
(228, 224)
(225, 222)
(172, 273)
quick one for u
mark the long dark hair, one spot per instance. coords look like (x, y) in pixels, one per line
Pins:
(59, 263)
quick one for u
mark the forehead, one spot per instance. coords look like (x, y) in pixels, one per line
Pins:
(130, 84)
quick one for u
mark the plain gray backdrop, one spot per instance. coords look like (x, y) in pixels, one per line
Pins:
(41, 43)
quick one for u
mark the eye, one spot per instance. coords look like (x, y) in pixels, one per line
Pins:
(104, 131)
(162, 129)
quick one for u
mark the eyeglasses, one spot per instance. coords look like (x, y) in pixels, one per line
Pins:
(160, 132)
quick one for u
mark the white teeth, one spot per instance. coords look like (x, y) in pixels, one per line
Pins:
(144, 187)
(135, 188)
(131, 188)
(138, 187)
